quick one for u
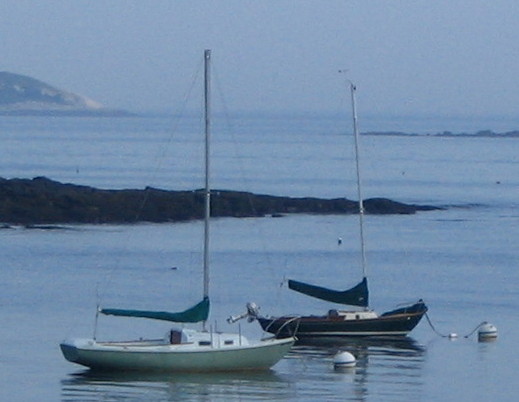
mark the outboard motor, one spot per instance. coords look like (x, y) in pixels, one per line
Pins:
(251, 314)
(252, 311)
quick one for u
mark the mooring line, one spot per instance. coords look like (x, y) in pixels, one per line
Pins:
(475, 329)
(433, 328)
(453, 335)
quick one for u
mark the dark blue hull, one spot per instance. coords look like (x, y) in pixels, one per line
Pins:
(306, 328)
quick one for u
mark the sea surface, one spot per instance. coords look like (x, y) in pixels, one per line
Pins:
(462, 260)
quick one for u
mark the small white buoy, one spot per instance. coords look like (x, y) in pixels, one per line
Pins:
(453, 335)
(487, 332)
(344, 360)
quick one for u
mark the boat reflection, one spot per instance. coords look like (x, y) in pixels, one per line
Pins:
(389, 342)
(96, 385)
(359, 347)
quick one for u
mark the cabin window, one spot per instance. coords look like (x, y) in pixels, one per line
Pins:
(231, 342)
(204, 343)
(357, 316)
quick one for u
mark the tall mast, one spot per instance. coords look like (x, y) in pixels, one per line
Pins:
(353, 88)
(207, 190)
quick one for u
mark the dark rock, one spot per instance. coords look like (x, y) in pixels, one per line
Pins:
(44, 201)
(381, 206)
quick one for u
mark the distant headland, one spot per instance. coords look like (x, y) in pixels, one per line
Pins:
(21, 95)
(42, 201)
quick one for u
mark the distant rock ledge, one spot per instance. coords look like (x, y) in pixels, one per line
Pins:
(41, 201)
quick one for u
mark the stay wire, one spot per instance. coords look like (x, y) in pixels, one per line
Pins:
(163, 150)
(247, 182)
(161, 155)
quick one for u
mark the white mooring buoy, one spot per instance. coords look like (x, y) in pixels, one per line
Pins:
(344, 360)
(487, 332)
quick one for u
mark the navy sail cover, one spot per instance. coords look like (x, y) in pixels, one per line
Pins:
(356, 296)
(199, 312)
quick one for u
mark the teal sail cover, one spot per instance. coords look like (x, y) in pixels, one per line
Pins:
(197, 313)
(356, 296)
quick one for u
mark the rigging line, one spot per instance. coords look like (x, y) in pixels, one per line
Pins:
(160, 159)
(232, 131)
(230, 128)
(246, 182)
(175, 127)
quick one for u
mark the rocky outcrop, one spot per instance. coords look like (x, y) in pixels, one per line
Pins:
(44, 201)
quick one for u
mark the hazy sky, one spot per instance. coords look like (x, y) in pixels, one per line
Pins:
(452, 57)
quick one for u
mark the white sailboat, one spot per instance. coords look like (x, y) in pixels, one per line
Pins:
(182, 349)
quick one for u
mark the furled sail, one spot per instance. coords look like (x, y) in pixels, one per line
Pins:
(197, 313)
(356, 296)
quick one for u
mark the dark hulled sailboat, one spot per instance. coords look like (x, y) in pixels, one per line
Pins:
(343, 323)
(336, 323)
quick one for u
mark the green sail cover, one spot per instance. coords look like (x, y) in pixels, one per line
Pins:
(356, 296)
(197, 313)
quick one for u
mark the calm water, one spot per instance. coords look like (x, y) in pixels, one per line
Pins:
(463, 261)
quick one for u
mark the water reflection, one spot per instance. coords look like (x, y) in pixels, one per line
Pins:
(94, 386)
(388, 368)
(402, 343)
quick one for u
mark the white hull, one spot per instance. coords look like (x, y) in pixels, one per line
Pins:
(181, 350)
(216, 354)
